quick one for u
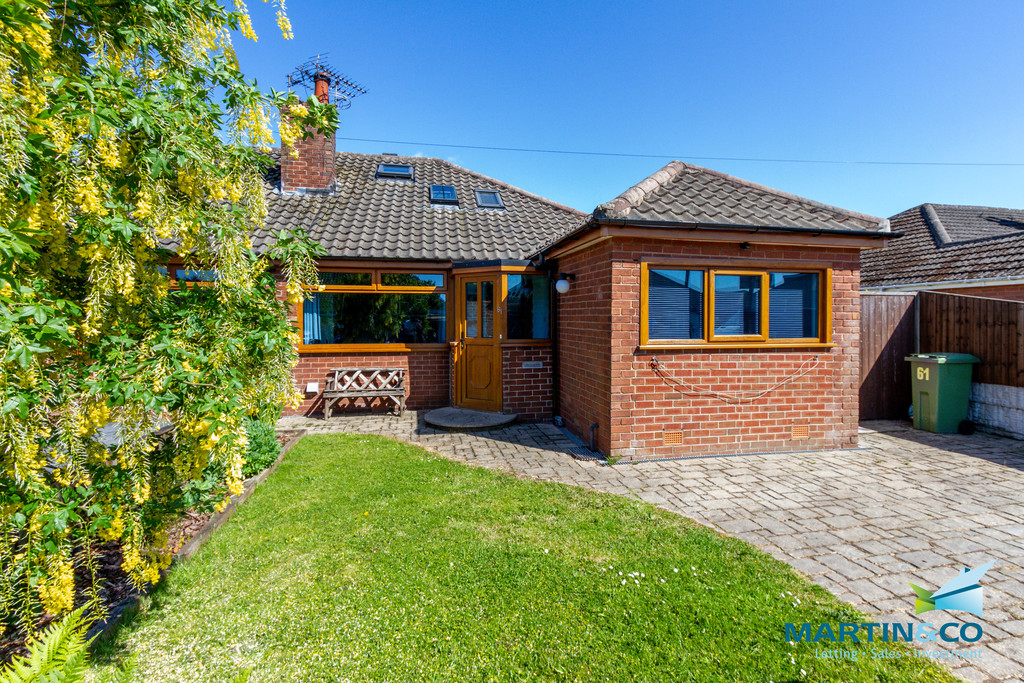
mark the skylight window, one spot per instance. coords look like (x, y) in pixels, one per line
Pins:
(489, 199)
(394, 171)
(443, 194)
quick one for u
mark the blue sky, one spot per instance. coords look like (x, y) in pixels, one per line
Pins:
(885, 81)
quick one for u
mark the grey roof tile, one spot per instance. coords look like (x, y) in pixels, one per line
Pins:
(687, 194)
(944, 242)
(366, 217)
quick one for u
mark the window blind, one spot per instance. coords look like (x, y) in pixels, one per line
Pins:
(675, 304)
(793, 306)
(737, 305)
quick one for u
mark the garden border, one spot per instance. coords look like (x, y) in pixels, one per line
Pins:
(192, 546)
(104, 629)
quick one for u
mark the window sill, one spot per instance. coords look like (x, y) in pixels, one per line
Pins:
(371, 348)
(654, 346)
(526, 342)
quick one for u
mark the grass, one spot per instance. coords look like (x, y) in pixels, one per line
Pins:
(366, 559)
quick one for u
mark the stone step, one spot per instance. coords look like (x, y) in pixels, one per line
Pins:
(464, 420)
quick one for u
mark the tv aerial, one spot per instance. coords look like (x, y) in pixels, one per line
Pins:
(327, 84)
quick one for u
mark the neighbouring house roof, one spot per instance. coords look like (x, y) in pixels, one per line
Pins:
(693, 196)
(945, 242)
(376, 218)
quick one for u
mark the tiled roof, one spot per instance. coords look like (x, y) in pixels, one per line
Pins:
(367, 217)
(693, 195)
(685, 193)
(944, 242)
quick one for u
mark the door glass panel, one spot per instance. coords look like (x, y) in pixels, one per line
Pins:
(487, 309)
(471, 309)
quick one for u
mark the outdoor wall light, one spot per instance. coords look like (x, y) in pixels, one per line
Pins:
(562, 286)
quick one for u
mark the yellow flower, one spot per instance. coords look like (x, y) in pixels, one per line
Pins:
(57, 590)
(107, 147)
(88, 196)
(284, 24)
(115, 530)
(143, 208)
(37, 36)
(245, 23)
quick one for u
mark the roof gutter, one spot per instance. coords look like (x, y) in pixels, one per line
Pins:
(884, 231)
(741, 227)
(947, 284)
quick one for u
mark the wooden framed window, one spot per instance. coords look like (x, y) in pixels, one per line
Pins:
(691, 306)
(736, 308)
(179, 276)
(528, 306)
(375, 310)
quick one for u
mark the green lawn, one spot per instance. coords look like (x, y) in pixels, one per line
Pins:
(366, 559)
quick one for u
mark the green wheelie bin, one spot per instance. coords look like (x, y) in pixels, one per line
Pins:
(941, 385)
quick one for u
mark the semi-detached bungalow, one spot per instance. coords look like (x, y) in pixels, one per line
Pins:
(694, 314)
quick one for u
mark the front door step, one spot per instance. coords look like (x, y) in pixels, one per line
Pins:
(466, 420)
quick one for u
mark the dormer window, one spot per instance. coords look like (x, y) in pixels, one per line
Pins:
(443, 194)
(489, 199)
(403, 171)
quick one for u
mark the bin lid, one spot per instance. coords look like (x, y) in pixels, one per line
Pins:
(948, 358)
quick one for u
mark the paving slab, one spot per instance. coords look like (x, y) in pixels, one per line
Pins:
(906, 506)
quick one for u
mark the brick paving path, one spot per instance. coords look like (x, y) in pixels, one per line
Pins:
(907, 505)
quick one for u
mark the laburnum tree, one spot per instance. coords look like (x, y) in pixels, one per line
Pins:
(126, 129)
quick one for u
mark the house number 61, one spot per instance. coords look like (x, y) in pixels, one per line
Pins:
(922, 373)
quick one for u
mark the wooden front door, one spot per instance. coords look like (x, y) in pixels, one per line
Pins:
(477, 354)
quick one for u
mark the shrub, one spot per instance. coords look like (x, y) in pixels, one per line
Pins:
(125, 127)
(263, 447)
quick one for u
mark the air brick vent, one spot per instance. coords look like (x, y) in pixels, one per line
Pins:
(673, 438)
(801, 431)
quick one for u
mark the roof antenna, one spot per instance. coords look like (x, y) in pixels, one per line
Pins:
(327, 84)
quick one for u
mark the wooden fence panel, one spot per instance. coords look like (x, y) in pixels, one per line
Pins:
(886, 338)
(991, 329)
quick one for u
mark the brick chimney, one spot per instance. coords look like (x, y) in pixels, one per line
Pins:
(313, 169)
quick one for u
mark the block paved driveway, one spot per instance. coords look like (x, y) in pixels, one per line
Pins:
(907, 505)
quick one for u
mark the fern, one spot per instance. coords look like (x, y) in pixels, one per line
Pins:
(56, 655)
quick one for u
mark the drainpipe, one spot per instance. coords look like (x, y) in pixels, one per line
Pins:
(593, 438)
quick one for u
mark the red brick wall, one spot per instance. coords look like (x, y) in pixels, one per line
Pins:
(1008, 292)
(526, 391)
(641, 407)
(584, 343)
(426, 380)
(313, 169)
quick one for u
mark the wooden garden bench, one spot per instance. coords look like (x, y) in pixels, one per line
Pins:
(364, 383)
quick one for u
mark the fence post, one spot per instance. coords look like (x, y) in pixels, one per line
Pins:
(917, 322)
